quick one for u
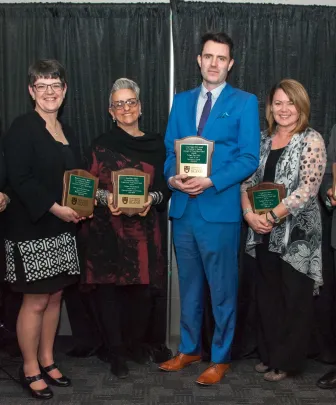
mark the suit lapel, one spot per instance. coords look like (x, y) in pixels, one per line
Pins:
(219, 107)
(194, 100)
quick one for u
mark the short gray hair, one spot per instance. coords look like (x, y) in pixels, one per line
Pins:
(124, 83)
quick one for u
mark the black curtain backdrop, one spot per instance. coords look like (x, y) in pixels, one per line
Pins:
(271, 42)
(97, 44)
(102, 42)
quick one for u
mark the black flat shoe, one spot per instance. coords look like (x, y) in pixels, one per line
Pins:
(103, 354)
(160, 354)
(119, 367)
(328, 381)
(58, 382)
(44, 394)
(140, 355)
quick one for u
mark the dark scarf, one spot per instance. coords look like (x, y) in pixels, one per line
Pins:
(148, 148)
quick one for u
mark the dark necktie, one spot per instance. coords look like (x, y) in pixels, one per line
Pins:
(205, 114)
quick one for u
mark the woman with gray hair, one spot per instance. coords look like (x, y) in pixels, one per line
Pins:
(123, 255)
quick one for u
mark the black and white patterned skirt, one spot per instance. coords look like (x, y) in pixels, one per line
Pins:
(41, 259)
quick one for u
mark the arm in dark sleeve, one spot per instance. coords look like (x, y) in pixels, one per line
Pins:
(19, 158)
(331, 158)
(2, 169)
(159, 183)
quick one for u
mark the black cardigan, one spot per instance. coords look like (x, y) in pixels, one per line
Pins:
(2, 169)
(35, 168)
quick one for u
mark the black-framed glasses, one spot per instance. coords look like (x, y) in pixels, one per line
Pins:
(119, 105)
(42, 87)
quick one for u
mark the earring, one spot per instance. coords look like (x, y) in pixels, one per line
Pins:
(140, 114)
(113, 119)
(33, 97)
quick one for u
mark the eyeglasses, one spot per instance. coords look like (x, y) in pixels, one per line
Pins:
(119, 105)
(42, 87)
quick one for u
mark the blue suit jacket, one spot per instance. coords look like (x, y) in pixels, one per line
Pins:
(234, 126)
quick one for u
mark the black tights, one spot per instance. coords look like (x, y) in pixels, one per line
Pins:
(124, 313)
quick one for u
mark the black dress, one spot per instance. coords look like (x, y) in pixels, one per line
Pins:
(41, 251)
(124, 256)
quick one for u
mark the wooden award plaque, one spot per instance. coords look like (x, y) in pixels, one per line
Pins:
(334, 181)
(130, 190)
(265, 196)
(193, 156)
(79, 191)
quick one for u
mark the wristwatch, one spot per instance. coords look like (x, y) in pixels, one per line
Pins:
(275, 217)
(268, 220)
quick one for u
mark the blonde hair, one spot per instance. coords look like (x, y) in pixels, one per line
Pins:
(298, 95)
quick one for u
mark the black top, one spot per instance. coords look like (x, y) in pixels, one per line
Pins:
(35, 165)
(271, 163)
(148, 148)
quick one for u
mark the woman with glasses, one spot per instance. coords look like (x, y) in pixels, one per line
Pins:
(124, 256)
(41, 251)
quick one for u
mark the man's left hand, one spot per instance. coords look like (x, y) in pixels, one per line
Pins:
(197, 185)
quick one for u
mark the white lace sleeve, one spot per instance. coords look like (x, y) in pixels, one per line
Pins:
(247, 183)
(312, 167)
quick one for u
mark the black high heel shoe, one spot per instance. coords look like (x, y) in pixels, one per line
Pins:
(44, 394)
(58, 382)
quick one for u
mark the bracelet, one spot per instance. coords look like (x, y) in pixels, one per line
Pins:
(101, 196)
(157, 197)
(275, 217)
(268, 220)
(246, 211)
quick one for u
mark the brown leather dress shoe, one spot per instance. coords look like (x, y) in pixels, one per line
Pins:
(179, 361)
(213, 374)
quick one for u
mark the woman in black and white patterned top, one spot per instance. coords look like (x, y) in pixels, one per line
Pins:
(41, 253)
(289, 252)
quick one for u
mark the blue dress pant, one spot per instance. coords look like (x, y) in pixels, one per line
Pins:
(206, 251)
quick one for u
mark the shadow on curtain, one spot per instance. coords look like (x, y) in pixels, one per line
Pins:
(271, 42)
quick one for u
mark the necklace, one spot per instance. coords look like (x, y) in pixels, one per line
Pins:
(56, 132)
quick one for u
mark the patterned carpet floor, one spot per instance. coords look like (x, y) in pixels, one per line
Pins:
(93, 384)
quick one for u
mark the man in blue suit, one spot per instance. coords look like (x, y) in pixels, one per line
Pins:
(206, 211)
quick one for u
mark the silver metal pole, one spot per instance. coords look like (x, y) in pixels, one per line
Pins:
(169, 225)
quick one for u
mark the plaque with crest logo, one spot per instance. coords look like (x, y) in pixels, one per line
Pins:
(193, 156)
(130, 190)
(79, 191)
(265, 196)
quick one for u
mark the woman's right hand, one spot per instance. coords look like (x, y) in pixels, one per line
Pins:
(66, 214)
(258, 223)
(114, 211)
